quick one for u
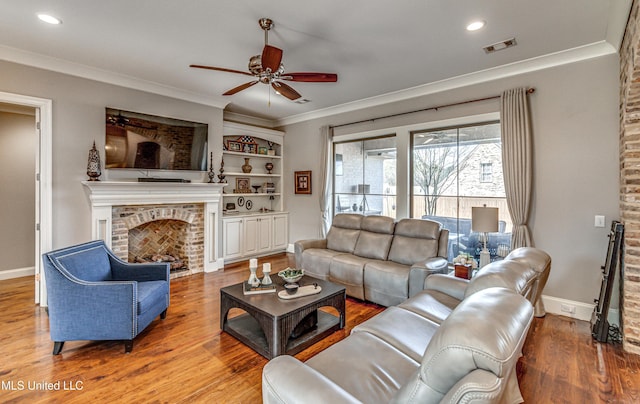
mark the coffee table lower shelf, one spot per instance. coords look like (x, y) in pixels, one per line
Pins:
(246, 329)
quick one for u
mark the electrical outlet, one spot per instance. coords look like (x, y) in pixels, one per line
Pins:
(599, 222)
(567, 308)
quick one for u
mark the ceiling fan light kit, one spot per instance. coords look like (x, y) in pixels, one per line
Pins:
(267, 68)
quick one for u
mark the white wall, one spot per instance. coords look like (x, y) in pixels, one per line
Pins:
(575, 124)
(78, 120)
(18, 142)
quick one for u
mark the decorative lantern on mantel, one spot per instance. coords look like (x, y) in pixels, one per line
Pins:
(93, 165)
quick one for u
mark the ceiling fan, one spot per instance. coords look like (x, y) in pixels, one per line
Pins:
(267, 68)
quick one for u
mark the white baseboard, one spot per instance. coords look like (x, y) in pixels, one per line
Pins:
(555, 305)
(17, 273)
(291, 249)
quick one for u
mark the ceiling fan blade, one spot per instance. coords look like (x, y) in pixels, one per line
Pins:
(285, 90)
(221, 69)
(311, 77)
(240, 88)
(271, 58)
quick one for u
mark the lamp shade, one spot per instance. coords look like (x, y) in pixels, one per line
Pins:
(484, 220)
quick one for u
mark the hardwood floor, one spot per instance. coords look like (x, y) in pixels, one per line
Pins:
(186, 359)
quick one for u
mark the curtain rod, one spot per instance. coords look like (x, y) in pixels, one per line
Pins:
(529, 91)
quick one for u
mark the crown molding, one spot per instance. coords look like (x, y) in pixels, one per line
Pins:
(75, 69)
(590, 51)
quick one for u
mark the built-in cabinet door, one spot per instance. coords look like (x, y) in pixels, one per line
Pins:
(232, 237)
(280, 233)
(264, 234)
(257, 235)
(251, 233)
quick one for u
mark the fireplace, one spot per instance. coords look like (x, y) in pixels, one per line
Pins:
(138, 219)
(171, 233)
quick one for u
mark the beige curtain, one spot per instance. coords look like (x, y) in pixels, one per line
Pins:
(517, 161)
(326, 176)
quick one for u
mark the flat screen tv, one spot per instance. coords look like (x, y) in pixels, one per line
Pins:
(147, 142)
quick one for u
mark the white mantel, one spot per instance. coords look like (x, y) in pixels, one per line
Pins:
(106, 194)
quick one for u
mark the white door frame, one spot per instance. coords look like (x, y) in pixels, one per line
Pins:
(44, 228)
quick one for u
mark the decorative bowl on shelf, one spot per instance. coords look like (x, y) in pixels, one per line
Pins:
(291, 275)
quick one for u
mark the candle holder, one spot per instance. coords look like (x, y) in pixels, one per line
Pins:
(212, 173)
(221, 175)
(253, 267)
(266, 270)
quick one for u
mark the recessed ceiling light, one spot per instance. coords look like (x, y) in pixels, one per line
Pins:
(49, 19)
(476, 25)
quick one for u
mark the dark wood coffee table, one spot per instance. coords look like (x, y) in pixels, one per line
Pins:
(272, 326)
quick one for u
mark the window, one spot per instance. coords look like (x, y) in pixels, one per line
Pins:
(486, 172)
(446, 185)
(365, 176)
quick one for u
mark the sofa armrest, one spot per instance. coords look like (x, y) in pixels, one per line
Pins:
(287, 380)
(421, 270)
(301, 245)
(449, 285)
(124, 271)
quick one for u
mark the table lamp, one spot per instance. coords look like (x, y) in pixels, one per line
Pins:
(484, 220)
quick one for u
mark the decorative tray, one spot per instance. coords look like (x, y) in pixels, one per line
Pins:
(302, 291)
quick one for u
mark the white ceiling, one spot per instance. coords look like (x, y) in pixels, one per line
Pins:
(379, 49)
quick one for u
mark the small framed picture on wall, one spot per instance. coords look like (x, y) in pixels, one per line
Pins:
(303, 182)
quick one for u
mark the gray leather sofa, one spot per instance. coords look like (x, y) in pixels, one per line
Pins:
(400, 356)
(376, 258)
(456, 341)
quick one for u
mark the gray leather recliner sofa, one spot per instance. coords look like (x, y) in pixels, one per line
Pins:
(456, 341)
(376, 258)
(400, 356)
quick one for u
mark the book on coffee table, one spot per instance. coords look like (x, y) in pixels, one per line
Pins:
(254, 290)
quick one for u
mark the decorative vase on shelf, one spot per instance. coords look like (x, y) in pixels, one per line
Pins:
(93, 165)
(246, 167)
(269, 167)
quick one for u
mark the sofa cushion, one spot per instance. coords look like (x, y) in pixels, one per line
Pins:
(414, 240)
(151, 294)
(317, 262)
(386, 282)
(375, 237)
(344, 232)
(348, 270)
(408, 332)
(367, 367)
(90, 264)
(537, 259)
(512, 275)
(432, 305)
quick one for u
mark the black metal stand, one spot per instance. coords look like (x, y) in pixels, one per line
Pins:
(599, 322)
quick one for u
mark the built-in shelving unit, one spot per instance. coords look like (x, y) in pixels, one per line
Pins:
(253, 221)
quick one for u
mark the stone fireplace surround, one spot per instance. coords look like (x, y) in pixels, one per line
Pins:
(113, 202)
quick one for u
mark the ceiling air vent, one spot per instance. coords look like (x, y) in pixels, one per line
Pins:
(507, 43)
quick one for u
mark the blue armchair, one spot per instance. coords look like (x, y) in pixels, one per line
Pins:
(93, 295)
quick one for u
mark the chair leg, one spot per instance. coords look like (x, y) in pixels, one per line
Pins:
(128, 346)
(57, 347)
(163, 315)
